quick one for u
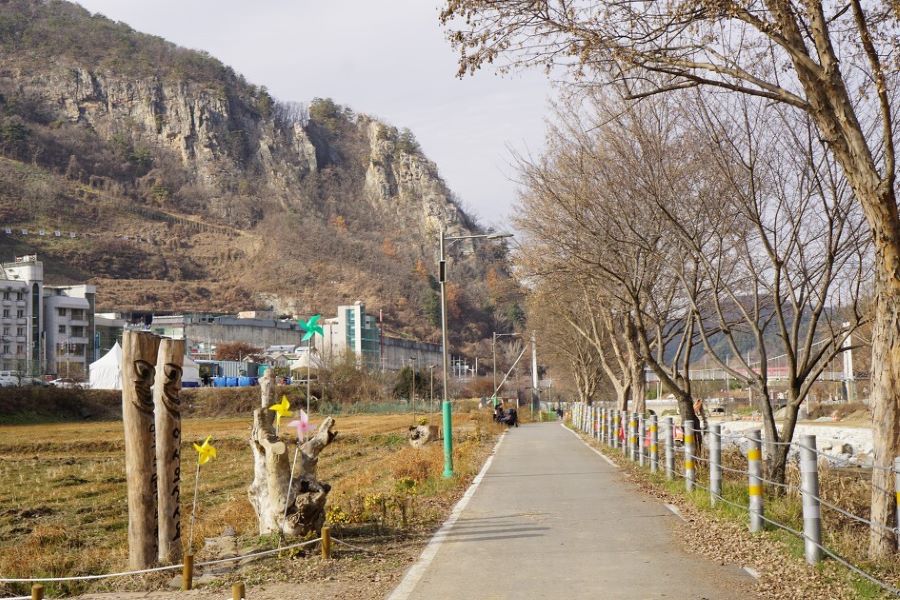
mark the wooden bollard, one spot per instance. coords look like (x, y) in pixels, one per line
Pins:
(187, 573)
(166, 399)
(326, 542)
(237, 591)
(139, 350)
(37, 592)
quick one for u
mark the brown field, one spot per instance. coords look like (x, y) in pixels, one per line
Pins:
(62, 489)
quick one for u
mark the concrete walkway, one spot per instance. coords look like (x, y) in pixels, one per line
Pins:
(552, 519)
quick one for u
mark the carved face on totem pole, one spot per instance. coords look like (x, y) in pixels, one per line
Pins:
(172, 387)
(142, 377)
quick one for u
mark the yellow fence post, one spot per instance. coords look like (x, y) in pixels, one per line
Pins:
(689, 469)
(754, 480)
(237, 591)
(187, 573)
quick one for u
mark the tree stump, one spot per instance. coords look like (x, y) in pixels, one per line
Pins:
(269, 494)
(422, 434)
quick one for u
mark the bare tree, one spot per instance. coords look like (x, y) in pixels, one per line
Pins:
(583, 209)
(825, 59)
(779, 252)
(563, 347)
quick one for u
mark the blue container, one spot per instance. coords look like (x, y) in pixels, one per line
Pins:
(254, 380)
(244, 381)
(231, 382)
(219, 382)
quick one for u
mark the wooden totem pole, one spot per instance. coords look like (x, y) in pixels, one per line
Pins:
(166, 390)
(139, 356)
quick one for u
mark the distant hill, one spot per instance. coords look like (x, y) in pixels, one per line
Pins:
(188, 188)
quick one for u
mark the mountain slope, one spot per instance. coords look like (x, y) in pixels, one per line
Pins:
(188, 188)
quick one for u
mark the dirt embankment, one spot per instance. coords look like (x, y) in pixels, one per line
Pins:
(34, 405)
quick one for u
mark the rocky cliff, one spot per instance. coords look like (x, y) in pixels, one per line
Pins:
(187, 188)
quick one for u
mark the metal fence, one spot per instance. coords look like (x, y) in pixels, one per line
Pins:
(638, 438)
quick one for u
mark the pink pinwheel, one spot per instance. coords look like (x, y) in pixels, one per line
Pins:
(302, 425)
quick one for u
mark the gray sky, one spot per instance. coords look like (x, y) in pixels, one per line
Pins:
(386, 58)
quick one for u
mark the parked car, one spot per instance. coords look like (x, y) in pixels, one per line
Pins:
(17, 379)
(65, 382)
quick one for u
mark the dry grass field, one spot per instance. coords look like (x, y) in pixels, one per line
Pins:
(62, 488)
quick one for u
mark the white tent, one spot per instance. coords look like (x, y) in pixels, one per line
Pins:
(105, 372)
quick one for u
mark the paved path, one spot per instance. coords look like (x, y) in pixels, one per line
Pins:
(552, 519)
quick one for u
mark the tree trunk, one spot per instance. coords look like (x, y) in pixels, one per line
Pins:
(269, 494)
(686, 411)
(885, 398)
(623, 394)
(166, 390)
(635, 368)
(638, 387)
(139, 349)
(778, 453)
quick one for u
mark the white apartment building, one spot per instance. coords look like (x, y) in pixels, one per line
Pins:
(44, 328)
(69, 327)
(21, 315)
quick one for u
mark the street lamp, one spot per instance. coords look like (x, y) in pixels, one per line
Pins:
(494, 353)
(445, 407)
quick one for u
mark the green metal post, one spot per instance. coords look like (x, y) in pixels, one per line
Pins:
(448, 439)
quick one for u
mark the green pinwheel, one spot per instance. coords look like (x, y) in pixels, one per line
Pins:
(311, 327)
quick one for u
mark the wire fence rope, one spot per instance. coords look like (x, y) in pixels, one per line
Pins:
(794, 488)
(252, 555)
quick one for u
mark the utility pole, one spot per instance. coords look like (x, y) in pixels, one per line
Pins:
(494, 337)
(535, 392)
(494, 357)
(849, 380)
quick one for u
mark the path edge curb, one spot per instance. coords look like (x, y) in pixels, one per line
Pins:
(594, 450)
(409, 582)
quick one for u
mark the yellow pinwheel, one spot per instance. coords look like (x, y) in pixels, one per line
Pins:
(282, 409)
(205, 452)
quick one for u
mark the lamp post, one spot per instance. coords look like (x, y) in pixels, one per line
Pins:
(445, 405)
(494, 354)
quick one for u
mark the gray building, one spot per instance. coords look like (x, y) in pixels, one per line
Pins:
(203, 332)
(108, 329)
